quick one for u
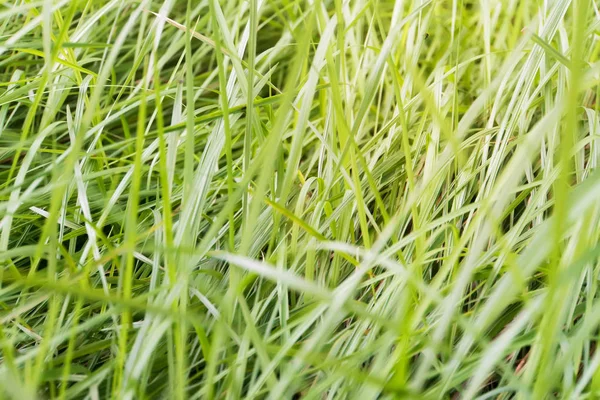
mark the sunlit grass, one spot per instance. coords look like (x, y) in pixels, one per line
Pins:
(285, 199)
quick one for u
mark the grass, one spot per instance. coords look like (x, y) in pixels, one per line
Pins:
(299, 199)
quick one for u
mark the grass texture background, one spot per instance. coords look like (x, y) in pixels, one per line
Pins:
(320, 199)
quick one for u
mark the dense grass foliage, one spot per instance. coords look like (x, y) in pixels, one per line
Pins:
(321, 199)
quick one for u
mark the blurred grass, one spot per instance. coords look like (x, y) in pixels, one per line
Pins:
(309, 199)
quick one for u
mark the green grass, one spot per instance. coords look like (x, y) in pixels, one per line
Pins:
(325, 199)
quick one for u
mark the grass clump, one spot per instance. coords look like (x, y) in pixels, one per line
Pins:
(306, 199)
